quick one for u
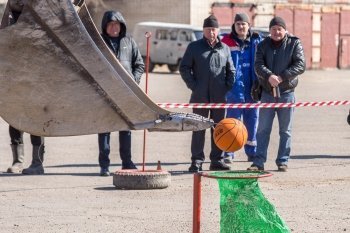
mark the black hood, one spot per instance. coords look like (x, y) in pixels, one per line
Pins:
(113, 16)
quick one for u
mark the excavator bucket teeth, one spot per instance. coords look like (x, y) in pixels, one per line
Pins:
(58, 77)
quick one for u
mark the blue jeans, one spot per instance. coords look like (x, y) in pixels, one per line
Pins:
(250, 120)
(266, 116)
(104, 148)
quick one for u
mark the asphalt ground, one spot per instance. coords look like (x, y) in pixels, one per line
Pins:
(313, 196)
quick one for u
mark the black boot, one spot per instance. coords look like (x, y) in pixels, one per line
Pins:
(18, 159)
(36, 168)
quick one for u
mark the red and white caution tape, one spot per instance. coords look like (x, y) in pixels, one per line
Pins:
(254, 105)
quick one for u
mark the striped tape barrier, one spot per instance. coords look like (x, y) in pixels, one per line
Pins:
(254, 105)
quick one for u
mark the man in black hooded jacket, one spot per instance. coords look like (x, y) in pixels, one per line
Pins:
(128, 54)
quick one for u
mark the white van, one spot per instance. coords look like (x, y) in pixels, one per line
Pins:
(168, 42)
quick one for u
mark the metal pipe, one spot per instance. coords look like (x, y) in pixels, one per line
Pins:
(197, 199)
(148, 36)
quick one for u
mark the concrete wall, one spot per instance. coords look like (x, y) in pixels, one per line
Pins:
(199, 11)
(171, 11)
(2, 7)
(136, 11)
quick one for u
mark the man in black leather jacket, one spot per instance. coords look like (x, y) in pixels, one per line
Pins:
(279, 61)
(128, 54)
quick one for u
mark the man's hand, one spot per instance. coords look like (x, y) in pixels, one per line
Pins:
(275, 80)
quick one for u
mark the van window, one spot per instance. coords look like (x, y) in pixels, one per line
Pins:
(185, 36)
(162, 34)
(198, 35)
(173, 34)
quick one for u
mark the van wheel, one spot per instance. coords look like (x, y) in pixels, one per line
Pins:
(173, 68)
(151, 65)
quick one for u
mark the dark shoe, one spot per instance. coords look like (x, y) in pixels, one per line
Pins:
(34, 169)
(255, 168)
(282, 168)
(104, 172)
(195, 167)
(219, 166)
(128, 165)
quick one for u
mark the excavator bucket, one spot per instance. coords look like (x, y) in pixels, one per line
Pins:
(59, 78)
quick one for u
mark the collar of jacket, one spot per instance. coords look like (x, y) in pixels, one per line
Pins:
(278, 44)
(217, 45)
(234, 36)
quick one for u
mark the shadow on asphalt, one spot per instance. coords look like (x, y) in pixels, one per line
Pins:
(113, 164)
(320, 157)
(50, 174)
(109, 188)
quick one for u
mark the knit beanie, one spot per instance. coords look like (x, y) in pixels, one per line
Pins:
(242, 17)
(211, 22)
(277, 21)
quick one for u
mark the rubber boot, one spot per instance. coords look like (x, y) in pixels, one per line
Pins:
(18, 159)
(36, 168)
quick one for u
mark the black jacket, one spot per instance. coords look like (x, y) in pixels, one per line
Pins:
(286, 61)
(207, 71)
(127, 51)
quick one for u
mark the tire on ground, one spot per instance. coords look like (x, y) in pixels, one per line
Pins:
(135, 179)
(151, 65)
(174, 68)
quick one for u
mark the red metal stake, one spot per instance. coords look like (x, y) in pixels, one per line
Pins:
(148, 36)
(197, 199)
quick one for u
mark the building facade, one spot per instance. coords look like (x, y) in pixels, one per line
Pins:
(325, 46)
(322, 25)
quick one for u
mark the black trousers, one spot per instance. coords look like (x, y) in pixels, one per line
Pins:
(104, 148)
(198, 137)
(17, 137)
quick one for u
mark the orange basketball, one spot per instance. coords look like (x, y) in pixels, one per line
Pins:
(230, 135)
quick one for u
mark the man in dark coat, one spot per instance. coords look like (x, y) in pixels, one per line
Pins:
(208, 70)
(128, 54)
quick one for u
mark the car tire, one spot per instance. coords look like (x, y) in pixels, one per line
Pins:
(151, 65)
(173, 68)
(135, 179)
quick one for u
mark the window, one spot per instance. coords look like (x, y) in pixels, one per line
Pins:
(173, 34)
(162, 34)
(185, 36)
